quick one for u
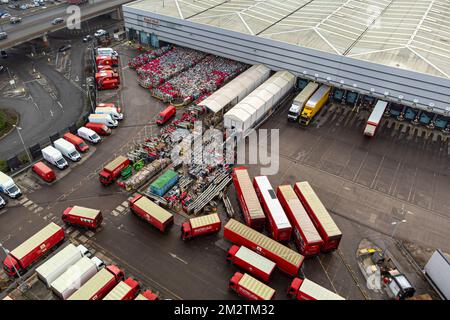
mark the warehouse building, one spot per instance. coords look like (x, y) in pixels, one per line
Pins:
(395, 50)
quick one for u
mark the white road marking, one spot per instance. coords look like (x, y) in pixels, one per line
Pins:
(28, 203)
(176, 257)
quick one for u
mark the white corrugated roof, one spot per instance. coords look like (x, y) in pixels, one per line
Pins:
(238, 88)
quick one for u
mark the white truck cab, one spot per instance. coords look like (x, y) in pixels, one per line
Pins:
(115, 115)
(67, 149)
(103, 119)
(53, 156)
(294, 112)
(88, 135)
(8, 186)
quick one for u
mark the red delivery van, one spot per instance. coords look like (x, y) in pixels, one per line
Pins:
(252, 262)
(195, 227)
(166, 114)
(83, 217)
(79, 143)
(99, 128)
(46, 173)
(151, 212)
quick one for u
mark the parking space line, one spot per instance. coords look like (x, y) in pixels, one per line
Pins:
(28, 203)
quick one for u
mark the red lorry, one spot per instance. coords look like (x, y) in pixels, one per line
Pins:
(112, 170)
(107, 74)
(99, 285)
(304, 289)
(277, 222)
(82, 217)
(307, 238)
(287, 260)
(124, 290)
(248, 287)
(248, 200)
(147, 295)
(325, 225)
(199, 226)
(151, 212)
(33, 249)
(251, 262)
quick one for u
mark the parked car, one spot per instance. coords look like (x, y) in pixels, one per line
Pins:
(14, 20)
(57, 21)
(3, 54)
(88, 38)
(3, 35)
(2, 68)
(65, 48)
(43, 171)
(100, 32)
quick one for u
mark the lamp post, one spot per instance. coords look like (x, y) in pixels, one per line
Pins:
(23, 143)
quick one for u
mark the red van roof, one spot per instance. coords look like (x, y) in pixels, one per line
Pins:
(43, 167)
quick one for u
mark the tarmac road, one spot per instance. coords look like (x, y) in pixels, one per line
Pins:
(41, 114)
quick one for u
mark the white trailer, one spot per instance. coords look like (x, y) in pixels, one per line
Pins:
(437, 271)
(375, 118)
(74, 277)
(58, 264)
(254, 108)
(237, 89)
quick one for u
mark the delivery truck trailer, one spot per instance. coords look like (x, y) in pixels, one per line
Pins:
(50, 270)
(325, 225)
(287, 260)
(74, 277)
(306, 236)
(124, 290)
(199, 226)
(304, 289)
(314, 104)
(250, 261)
(278, 224)
(99, 285)
(248, 287)
(375, 118)
(82, 217)
(300, 101)
(248, 200)
(151, 212)
(112, 170)
(33, 249)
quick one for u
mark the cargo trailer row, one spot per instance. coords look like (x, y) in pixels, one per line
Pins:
(50, 270)
(306, 236)
(252, 109)
(248, 200)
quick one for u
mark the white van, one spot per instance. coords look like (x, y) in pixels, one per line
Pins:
(67, 149)
(8, 186)
(103, 119)
(111, 111)
(54, 157)
(89, 135)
